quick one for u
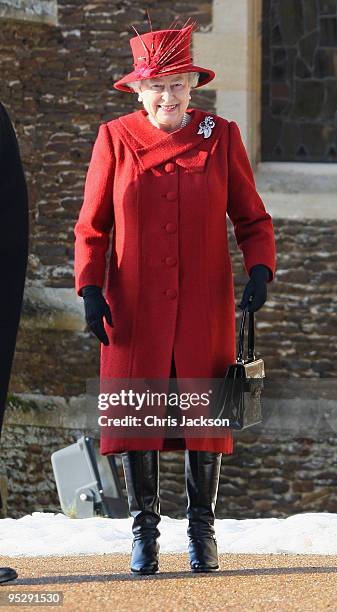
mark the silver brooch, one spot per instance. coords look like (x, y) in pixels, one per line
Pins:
(206, 126)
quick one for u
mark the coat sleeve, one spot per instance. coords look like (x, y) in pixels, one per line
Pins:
(13, 193)
(253, 226)
(96, 218)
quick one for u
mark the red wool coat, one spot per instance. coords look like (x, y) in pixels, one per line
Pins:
(169, 280)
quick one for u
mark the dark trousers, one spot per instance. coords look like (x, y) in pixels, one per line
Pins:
(13, 270)
(13, 248)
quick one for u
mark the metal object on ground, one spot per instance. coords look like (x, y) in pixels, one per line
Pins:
(87, 482)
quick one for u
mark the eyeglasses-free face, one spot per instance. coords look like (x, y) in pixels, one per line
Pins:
(166, 99)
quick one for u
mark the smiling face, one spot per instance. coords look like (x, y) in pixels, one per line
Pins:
(166, 99)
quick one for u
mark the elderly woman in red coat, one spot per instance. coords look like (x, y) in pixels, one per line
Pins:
(160, 183)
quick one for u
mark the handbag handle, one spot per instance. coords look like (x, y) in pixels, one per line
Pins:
(251, 353)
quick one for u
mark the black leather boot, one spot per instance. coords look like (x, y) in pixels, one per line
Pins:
(7, 574)
(141, 470)
(202, 472)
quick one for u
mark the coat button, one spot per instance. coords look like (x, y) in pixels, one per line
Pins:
(171, 195)
(171, 228)
(169, 167)
(171, 293)
(171, 261)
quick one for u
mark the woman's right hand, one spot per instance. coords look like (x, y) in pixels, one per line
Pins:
(96, 308)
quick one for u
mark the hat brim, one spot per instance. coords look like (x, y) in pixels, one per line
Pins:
(206, 76)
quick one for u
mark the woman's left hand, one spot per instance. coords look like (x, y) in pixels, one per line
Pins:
(255, 292)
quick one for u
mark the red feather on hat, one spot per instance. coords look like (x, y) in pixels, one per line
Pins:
(170, 46)
(163, 52)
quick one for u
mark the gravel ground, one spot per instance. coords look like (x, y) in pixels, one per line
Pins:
(244, 582)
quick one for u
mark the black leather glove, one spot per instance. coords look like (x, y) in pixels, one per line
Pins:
(96, 308)
(255, 292)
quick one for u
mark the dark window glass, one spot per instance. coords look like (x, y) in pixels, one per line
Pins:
(299, 80)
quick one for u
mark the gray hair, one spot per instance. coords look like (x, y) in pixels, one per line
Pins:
(193, 78)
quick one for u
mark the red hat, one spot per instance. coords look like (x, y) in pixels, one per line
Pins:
(162, 52)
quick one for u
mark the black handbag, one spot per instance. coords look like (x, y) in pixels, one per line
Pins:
(239, 398)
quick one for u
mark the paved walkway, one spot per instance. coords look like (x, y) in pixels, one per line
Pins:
(244, 583)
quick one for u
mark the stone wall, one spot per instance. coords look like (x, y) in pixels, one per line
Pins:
(57, 87)
(267, 476)
(41, 11)
(296, 329)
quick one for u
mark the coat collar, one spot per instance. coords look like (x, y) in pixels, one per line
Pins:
(153, 146)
